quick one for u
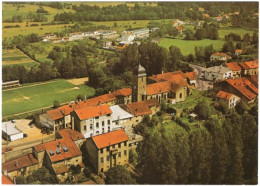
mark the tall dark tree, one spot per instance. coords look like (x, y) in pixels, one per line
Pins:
(220, 158)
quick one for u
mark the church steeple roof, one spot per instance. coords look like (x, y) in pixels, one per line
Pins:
(140, 71)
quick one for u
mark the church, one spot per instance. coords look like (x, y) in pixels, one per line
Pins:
(173, 87)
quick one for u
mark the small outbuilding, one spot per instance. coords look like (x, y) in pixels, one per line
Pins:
(10, 132)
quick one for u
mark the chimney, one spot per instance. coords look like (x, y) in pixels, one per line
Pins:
(85, 96)
(162, 71)
(16, 163)
(58, 145)
(99, 102)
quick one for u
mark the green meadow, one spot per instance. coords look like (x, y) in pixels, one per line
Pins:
(35, 96)
(187, 46)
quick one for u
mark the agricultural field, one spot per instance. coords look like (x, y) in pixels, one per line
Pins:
(187, 46)
(38, 95)
(16, 57)
(23, 30)
(227, 30)
(10, 10)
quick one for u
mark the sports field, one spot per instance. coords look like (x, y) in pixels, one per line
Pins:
(16, 57)
(187, 46)
(35, 96)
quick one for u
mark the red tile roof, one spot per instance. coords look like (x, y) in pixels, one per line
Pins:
(18, 163)
(179, 28)
(157, 88)
(221, 54)
(67, 109)
(249, 64)
(67, 140)
(60, 168)
(191, 75)
(92, 112)
(238, 51)
(167, 76)
(252, 64)
(224, 95)
(151, 102)
(123, 92)
(139, 108)
(244, 86)
(233, 66)
(6, 180)
(254, 79)
(110, 138)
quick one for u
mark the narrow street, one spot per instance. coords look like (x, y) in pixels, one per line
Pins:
(202, 84)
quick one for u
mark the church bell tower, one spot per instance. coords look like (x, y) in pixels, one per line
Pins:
(139, 85)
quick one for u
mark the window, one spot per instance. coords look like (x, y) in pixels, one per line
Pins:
(101, 160)
(125, 143)
(96, 117)
(102, 169)
(97, 125)
(119, 145)
(180, 95)
(108, 115)
(119, 154)
(77, 160)
(91, 126)
(125, 152)
(85, 127)
(113, 146)
(108, 122)
(108, 148)
(136, 120)
(101, 151)
(103, 123)
(107, 158)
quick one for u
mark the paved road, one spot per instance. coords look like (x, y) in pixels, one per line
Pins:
(202, 84)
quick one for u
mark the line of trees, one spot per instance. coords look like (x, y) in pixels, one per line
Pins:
(208, 31)
(214, 154)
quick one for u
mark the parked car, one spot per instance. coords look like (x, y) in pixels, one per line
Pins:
(32, 125)
(13, 121)
(25, 135)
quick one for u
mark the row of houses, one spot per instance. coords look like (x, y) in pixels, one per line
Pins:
(231, 70)
(77, 36)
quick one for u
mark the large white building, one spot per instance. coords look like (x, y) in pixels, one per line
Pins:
(120, 118)
(218, 73)
(10, 132)
(92, 121)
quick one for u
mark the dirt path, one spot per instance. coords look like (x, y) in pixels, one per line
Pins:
(30, 85)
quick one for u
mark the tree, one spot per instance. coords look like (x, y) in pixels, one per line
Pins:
(201, 156)
(203, 110)
(241, 107)
(223, 107)
(56, 104)
(119, 175)
(220, 158)
(21, 180)
(250, 138)
(132, 157)
(200, 34)
(232, 129)
(42, 176)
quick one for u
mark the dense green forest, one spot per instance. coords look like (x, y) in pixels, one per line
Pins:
(218, 151)
(164, 10)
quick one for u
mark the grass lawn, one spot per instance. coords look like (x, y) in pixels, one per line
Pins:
(192, 100)
(227, 30)
(16, 57)
(187, 46)
(33, 97)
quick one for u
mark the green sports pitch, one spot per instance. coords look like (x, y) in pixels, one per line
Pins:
(35, 96)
